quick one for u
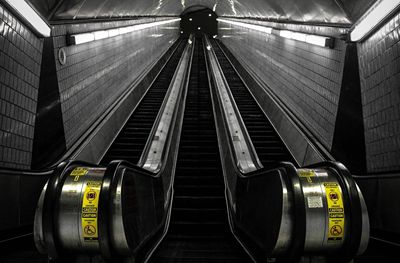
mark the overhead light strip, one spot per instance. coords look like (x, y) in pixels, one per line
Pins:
(374, 16)
(31, 16)
(310, 39)
(102, 34)
(322, 41)
(264, 29)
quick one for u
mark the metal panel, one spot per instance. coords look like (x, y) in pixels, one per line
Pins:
(320, 11)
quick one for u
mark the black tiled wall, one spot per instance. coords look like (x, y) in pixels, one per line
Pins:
(306, 77)
(20, 61)
(379, 59)
(97, 73)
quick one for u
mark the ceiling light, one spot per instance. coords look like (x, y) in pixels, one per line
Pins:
(190, 19)
(316, 40)
(113, 32)
(198, 28)
(374, 16)
(81, 38)
(311, 39)
(209, 15)
(264, 29)
(286, 34)
(299, 36)
(30, 15)
(102, 34)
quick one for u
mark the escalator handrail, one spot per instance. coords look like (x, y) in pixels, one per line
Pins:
(159, 119)
(220, 83)
(45, 174)
(118, 166)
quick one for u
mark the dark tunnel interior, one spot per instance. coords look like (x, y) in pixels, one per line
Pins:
(198, 20)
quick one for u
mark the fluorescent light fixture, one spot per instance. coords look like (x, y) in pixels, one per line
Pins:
(83, 38)
(316, 40)
(286, 34)
(299, 36)
(208, 47)
(113, 32)
(30, 15)
(264, 29)
(374, 16)
(102, 34)
(311, 39)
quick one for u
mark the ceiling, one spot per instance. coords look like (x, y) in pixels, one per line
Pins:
(308, 11)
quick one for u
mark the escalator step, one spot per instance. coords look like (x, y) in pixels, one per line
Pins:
(130, 142)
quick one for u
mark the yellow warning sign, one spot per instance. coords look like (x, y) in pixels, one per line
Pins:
(336, 211)
(306, 173)
(90, 204)
(78, 172)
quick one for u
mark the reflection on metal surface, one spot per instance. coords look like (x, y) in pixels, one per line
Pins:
(102, 34)
(232, 3)
(246, 157)
(375, 15)
(30, 15)
(153, 155)
(317, 11)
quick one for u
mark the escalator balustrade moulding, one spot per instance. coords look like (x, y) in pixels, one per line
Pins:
(285, 212)
(113, 211)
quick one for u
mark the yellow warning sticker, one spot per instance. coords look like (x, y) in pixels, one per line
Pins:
(336, 211)
(78, 172)
(306, 173)
(90, 204)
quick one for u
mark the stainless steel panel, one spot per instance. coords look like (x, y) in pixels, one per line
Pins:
(322, 11)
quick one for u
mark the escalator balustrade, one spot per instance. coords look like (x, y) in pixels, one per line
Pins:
(279, 211)
(199, 230)
(86, 211)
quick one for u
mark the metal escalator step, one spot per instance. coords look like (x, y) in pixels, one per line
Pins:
(131, 140)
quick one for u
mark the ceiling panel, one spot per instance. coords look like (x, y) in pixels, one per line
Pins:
(309, 11)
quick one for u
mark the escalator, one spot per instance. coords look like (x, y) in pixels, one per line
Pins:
(128, 146)
(267, 143)
(199, 229)
(131, 140)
